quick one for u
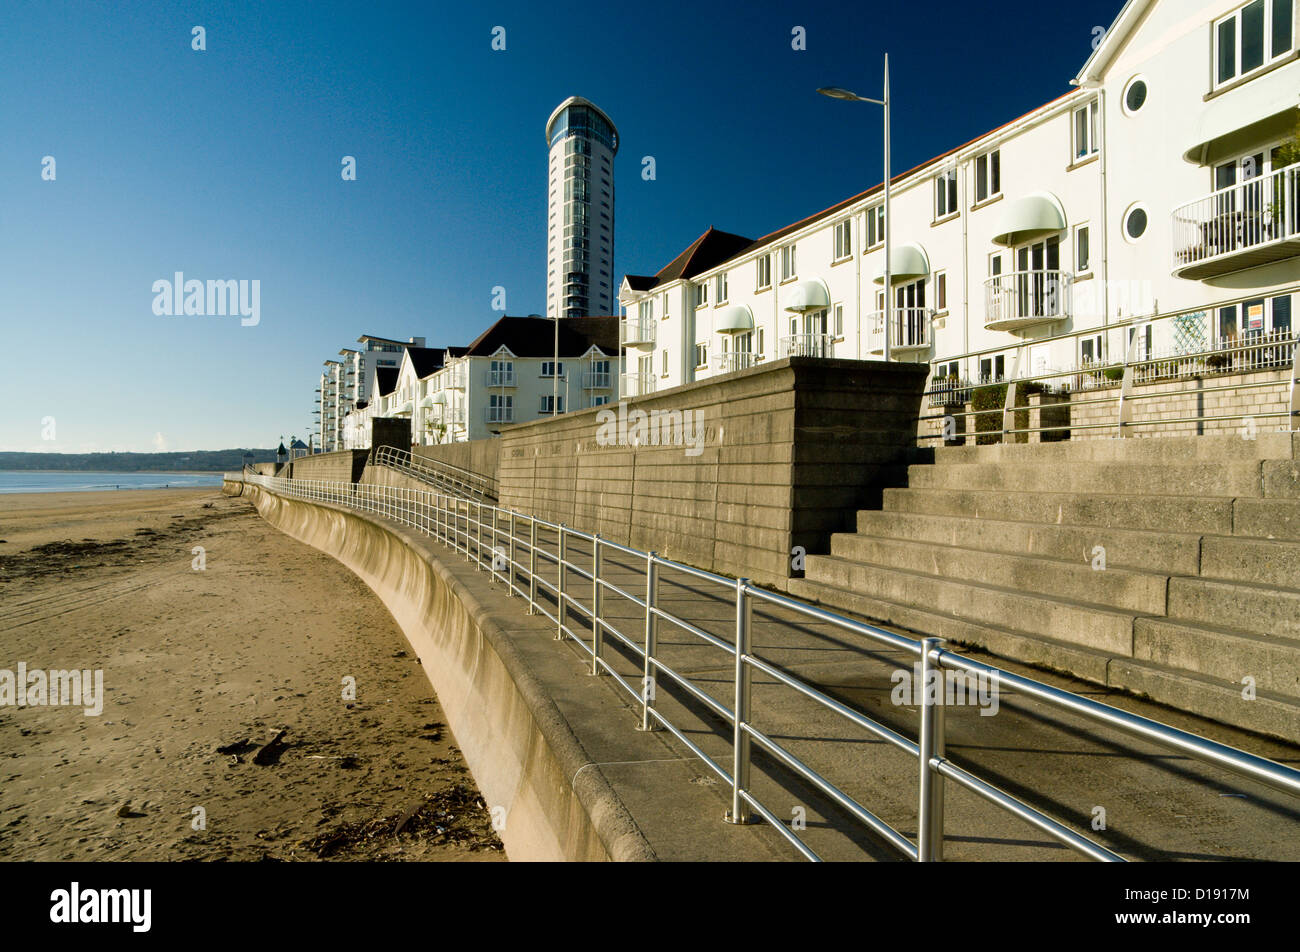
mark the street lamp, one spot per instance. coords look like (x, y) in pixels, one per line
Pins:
(836, 92)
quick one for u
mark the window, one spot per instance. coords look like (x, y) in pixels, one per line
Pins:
(1135, 95)
(945, 194)
(501, 408)
(663, 363)
(988, 175)
(1251, 37)
(991, 371)
(720, 295)
(1135, 223)
(787, 263)
(1085, 131)
(646, 309)
(701, 294)
(548, 368)
(843, 240)
(837, 327)
(875, 226)
(546, 403)
(941, 291)
(701, 355)
(760, 342)
(600, 401)
(1089, 350)
(995, 264)
(1082, 251)
(763, 273)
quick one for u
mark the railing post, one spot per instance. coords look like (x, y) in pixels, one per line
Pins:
(532, 565)
(929, 847)
(559, 585)
(478, 545)
(651, 639)
(1125, 410)
(1009, 405)
(493, 544)
(510, 561)
(739, 812)
(1294, 422)
(597, 633)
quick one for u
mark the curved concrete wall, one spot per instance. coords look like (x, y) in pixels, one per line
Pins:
(519, 747)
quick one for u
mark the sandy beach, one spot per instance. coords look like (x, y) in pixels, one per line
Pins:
(206, 658)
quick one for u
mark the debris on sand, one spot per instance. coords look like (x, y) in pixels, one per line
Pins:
(454, 815)
(270, 754)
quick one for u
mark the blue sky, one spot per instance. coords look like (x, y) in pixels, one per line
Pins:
(226, 164)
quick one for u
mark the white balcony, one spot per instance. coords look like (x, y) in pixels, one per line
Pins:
(732, 361)
(806, 345)
(596, 380)
(637, 384)
(637, 331)
(910, 331)
(500, 378)
(501, 414)
(1023, 299)
(1242, 226)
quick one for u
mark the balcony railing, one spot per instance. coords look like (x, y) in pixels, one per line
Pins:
(909, 330)
(733, 360)
(1242, 226)
(1025, 298)
(500, 378)
(596, 380)
(806, 345)
(501, 414)
(637, 331)
(637, 384)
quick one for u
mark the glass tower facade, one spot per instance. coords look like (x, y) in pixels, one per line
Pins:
(580, 210)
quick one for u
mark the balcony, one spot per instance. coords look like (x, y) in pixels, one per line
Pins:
(1023, 299)
(637, 384)
(806, 345)
(735, 360)
(596, 380)
(501, 414)
(500, 378)
(1242, 226)
(637, 331)
(909, 331)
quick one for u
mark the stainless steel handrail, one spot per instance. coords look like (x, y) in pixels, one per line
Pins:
(435, 472)
(462, 524)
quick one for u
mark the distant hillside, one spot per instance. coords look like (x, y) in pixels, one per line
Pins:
(200, 460)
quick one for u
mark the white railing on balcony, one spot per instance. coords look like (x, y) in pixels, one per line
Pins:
(733, 360)
(596, 380)
(500, 378)
(1025, 298)
(501, 414)
(806, 345)
(637, 384)
(909, 327)
(637, 331)
(1245, 217)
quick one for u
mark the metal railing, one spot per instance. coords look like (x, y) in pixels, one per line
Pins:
(806, 345)
(595, 380)
(1154, 349)
(511, 546)
(440, 475)
(636, 384)
(909, 329)
(733, 360)
(638, 331)
(499, 378)
(1025, 298)
(499, 414)
(1247, 216)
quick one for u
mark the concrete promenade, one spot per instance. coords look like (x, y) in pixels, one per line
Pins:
(1156, 805)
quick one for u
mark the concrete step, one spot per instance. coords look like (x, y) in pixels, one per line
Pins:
(1263, 609)
(1224, 654)
(1152, 513)
(1258, 561)
(1112, 587)
(1266, 518)
(1272, 714)
(1226, 448)
(1170, 553)
(1084, 476)
(1076, 622)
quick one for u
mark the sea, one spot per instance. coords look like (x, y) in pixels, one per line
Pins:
(27, 481)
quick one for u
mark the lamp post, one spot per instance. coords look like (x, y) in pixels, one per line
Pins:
(836, 92)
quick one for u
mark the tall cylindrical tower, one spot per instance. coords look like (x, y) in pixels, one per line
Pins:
(580, 210)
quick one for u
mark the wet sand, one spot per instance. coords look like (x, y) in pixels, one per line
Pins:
(203, 667)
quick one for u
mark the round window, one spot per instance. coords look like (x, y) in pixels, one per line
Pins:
(1135, 96)
(1135, 223)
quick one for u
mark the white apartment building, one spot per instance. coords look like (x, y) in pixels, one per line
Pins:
(1162, 183)
(580, 210)
(345, 383)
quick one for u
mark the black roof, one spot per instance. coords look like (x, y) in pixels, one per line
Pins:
(385, 380)
(535, 336)
(425, 360)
